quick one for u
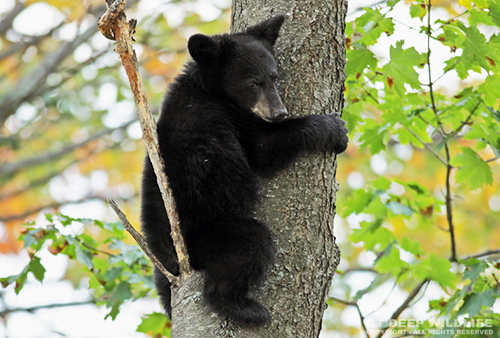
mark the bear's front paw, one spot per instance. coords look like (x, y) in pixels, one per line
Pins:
(340, 138)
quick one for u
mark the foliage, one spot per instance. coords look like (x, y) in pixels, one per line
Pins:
(117, 272)
(399, 108)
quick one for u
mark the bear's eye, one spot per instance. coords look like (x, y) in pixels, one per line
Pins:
(253, 84)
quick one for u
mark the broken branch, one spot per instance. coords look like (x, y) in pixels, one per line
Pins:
(114, 24)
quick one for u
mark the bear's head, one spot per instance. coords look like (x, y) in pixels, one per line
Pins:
(241, 67)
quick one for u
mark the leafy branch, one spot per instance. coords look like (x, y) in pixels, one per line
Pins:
(409, 112)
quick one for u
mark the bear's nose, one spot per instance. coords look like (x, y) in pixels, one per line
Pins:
(279, 114)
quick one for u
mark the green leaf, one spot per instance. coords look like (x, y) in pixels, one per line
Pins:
(475, 48)
(373, 23)
(490, 90)
(480, 17)
(436, 269)
(417, 187)
(359, 235)
(391, 263)
(494, 12)
(20, 279)
(94, 282)
(381, 183)
(118, 296)
(121, 292)
(401, 68)
(373, 235)
(113, 273)
(358, 59)
(475, 301)
(28, 240)
(115, 310)
(452, 37)
(473, 169)
(474, 269)
(83, 256)
(37, 268)
(155, 324)
(357, 202)
(373, 136)
(495, 113)
(418, 10)
(413, 247)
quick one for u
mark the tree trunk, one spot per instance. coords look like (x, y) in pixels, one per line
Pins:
(299, 205)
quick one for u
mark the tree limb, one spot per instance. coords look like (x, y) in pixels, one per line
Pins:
(142, 243)
(428, 147)
(403, 306)
(55, 205)
(31, 83)
(355, 304)
(26, 42)
(7, 20)
(12, 168)
(113, 25)
(37, 182)
(47, 306)
(483, 254)
(467, 120)
(449, 205)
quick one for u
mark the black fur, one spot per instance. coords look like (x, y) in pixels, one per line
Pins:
(221, 127)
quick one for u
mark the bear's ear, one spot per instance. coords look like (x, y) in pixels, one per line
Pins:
(203, 49)
(267, 30)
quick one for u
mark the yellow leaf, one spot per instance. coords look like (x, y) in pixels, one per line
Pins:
(465, 3)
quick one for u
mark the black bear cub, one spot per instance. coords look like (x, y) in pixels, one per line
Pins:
(222, 126)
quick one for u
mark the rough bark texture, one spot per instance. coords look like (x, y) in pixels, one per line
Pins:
(299, 205)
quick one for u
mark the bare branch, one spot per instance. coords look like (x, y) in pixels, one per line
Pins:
(35, 183)
(26, 42)
(449, 205)
(113, 24)
(54, 205)
(6, 22)
(12, 168)
(355, 304)
(428, 147)
(467, 120)
(403, 306)
(358, 269)
(32, 82)
(47, 306)
(483, 254)
(343, 302)
(142, 243)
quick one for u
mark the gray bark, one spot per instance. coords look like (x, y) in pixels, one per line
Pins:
(299, 205)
